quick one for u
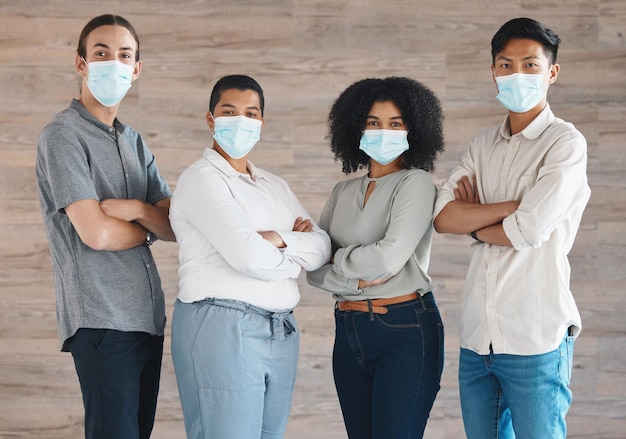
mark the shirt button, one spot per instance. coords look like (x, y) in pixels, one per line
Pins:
(148, 265)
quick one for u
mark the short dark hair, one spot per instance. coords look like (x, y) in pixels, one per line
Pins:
(525, 28)
(105, 20)
(420, 110)
(238, 82)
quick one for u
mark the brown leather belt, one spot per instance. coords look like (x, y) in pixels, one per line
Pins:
(377, 306)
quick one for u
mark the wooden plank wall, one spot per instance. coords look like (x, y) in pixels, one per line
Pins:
(304, 52)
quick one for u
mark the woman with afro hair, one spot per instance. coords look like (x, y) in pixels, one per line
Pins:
(388, 352)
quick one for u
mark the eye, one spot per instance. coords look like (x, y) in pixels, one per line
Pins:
(372, 123)
(251, 115)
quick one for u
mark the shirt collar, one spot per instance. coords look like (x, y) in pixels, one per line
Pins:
(535, 128)
(214, 157)
(85, 114)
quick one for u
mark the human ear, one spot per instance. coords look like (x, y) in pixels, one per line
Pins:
(210, 121)
(554, 72)
(137, 70)
(81, 66)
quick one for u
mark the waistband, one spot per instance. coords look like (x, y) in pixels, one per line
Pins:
(277, 319)
(379, 306)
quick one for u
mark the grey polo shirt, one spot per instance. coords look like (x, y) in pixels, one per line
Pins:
(79, 157)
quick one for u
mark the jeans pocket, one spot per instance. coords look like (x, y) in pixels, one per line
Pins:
(399, 317)
(566, 359)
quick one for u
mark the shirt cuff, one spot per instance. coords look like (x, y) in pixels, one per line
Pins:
(512, 231)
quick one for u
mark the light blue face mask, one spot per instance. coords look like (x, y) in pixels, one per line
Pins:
(109, 81)
(520, 92)
(384, 146)
(237, 135)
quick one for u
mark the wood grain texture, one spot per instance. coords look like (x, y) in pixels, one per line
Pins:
(304, 53)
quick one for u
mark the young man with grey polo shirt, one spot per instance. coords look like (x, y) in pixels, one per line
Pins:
(104, 202)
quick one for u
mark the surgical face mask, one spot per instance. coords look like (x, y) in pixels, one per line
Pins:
(384, 146)
(520, 92)
(109, 81)
(237, 135)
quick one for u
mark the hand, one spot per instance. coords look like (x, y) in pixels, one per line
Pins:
(302, 225)
(124, 209)
(466, 191)
(273, 237)
(371, 283)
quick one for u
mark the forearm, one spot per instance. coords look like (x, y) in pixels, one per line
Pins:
(493, 235)
(156, 219)
(461, 217)
(151, 217)
(116, 235)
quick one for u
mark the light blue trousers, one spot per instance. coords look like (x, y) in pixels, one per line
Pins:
(235, 368)
(516, 396)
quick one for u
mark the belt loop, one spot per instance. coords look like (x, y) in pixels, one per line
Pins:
(371, 311)
(277, 326)
(421, 298)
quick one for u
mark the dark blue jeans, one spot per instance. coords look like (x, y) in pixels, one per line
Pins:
(387, 368)
(119, 376)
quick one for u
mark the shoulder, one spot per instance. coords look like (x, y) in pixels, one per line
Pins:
(565, 130)
(487, 135)
(415, 177)
(350, 185)
(61, 133)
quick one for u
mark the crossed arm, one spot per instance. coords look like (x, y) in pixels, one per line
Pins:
(300, 225)
(465, 215)
(119, 224)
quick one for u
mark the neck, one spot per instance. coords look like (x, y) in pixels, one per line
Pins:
(377, 170)
(104, 114)
(519, 121)
(239, 165)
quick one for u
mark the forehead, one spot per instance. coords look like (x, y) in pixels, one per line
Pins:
(522, 48)
(114, 37)
(244, 98)
(384, 108)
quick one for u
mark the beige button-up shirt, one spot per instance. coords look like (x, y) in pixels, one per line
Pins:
(518, 299)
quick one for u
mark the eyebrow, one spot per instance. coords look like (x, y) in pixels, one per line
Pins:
(504, 58)
(252, 107)
(105, 46)
(376, 117)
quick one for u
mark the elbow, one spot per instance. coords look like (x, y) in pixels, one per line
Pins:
(438, 225)
(442, 226)
(97, 241)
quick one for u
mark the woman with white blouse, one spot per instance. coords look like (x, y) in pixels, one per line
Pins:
(244, 238)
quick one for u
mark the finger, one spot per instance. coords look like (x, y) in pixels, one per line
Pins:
(302, 226)
(467, 190)
(461, 191)
(475, 185)
(457, 194)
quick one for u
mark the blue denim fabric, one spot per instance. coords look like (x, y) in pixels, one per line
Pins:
(119, 376)
(235, 367)
(516, 396)
(388, 368)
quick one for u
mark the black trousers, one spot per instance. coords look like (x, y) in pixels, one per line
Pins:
(119, 376)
